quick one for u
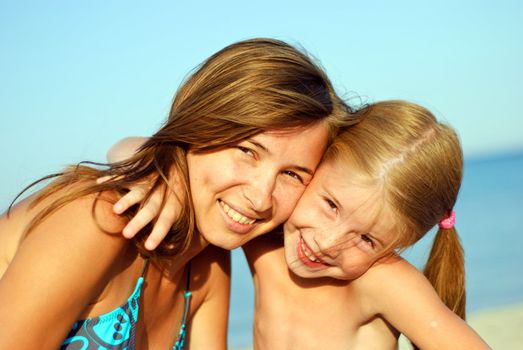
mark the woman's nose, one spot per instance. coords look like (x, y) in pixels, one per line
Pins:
(259, 192)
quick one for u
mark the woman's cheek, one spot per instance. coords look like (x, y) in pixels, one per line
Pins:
(286, 198)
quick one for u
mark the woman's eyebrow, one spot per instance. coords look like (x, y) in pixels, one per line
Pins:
(259, 145)
(303, 169)
(265, 149)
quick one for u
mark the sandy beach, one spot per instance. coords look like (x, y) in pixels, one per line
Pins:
(501, 328)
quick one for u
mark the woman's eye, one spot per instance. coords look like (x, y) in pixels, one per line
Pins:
(367, 240)
(246, 150)
(293, 175)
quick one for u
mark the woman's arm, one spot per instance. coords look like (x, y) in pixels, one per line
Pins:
(211, 278)
(58, 269)
(406, 299)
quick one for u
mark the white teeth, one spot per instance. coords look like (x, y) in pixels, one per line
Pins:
(307, 253)
(233, 214)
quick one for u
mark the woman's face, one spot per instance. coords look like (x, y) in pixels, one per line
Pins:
(339, 228)
(247, 190)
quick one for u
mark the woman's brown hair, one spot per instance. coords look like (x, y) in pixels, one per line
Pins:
(418, 163)
(244, 89)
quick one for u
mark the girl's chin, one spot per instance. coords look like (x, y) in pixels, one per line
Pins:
(305, 272)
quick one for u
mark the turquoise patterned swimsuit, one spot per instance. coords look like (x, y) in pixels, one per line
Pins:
(116, 330)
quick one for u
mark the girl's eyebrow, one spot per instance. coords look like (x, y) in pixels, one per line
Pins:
(266, 150)
(333, 197)
(375, 238)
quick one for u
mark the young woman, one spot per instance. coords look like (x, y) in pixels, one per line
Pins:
(243, 138)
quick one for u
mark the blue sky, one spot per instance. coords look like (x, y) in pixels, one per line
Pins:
(79, 75)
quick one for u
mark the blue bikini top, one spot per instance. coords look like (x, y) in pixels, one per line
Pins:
(116, 330)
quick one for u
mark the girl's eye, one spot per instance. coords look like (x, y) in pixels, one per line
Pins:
(293, 175)
(331, 204)
(246, 150)
(367, 240)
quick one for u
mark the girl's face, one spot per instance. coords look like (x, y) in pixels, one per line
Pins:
(244, 191)
(339, 227)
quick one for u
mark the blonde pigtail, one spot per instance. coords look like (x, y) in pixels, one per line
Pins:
(445, 269)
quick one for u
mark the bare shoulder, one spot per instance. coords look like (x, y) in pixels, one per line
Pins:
(388, 280)
(265, 253)
(401, 294)
(87, 213)
(85, 225)
(91, 212)
(396, 288)
(74, 245)
(11, 233)
(390, 269)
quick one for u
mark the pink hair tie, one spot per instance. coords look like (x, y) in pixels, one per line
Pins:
(448, 222)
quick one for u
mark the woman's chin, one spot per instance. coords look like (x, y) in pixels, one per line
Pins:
(222, 242)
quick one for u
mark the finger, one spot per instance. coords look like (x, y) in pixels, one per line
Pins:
(145, 215)
(138, 222)
(135, 195)
(159, 232)
(166, 219)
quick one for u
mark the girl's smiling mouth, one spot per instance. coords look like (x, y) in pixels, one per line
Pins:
(307, 256)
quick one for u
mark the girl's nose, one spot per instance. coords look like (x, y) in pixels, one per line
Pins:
(331, 240)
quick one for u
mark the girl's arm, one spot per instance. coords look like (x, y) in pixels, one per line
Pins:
(211, 279)
(152, 210)
(57, 270)
(406, 299)
(124, 148)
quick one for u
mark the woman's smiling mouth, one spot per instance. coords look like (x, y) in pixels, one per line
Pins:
(235, 216)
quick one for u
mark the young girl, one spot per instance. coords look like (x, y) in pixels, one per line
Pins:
(381, 186)
(245, 133)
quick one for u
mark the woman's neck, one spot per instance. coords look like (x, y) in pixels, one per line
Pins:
(171, 265)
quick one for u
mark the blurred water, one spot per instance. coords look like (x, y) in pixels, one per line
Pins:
(489, 221)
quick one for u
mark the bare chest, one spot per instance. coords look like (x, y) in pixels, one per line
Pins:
(323, 317)
(161, 312)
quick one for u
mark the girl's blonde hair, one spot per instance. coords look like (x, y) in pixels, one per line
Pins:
(418, 163)
(244, 89)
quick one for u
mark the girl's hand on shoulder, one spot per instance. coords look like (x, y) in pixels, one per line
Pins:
(152, 210)
(163, 207)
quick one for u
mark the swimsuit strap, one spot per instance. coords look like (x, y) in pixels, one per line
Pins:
(144, 268)
(187, 304)
(188, 278)
(115, 329)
